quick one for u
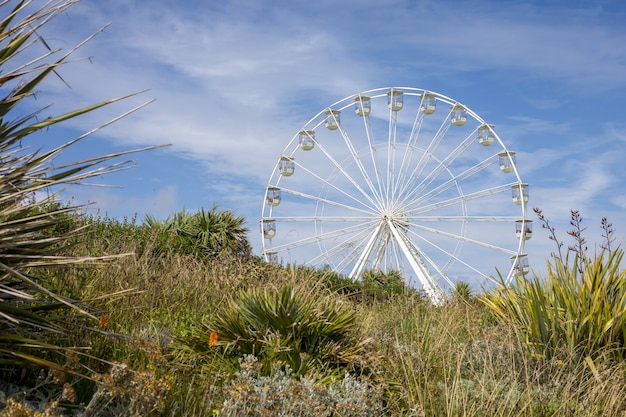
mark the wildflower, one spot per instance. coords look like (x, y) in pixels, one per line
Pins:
(213, 339)
(103, 324)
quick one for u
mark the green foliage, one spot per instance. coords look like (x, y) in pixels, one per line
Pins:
(382, 285)
(568, 311)
(462, 292)
(205, 234)
(291, 326)
(448, 360)
(578, 308)
(34, 320)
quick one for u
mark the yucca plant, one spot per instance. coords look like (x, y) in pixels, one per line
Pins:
(291, 326)
(33, 318)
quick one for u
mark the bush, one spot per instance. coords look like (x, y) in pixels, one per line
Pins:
(298, 328)
(212, 234)
(579, 308)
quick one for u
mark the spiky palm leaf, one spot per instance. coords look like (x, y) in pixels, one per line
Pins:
(33, 317)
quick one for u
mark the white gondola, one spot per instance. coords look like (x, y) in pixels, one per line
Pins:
(271, 256)
(395, 100)
(307, 139)
(272, 196)
(485, 135)
(507, 161)
(520, 264)
(269, 228)
(429, 104)
(333, 119)
(520, 194)
(524, 229)
(459, 115)
(287, 166)
(362, 106)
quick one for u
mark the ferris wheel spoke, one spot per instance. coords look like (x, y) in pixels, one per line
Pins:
(318, 219)
(324, 236)
(327, 201)
(462, 238)
(400, 185)
(407, 157)
(361, 262)
(373, 152)
(460, 199)
(346, 175)
(391, 155)
(428, 153)
(453, 256)
(439, 219)
(359, 163)
(345, 249)
(344, 193)
(412, 199)
(441, 167)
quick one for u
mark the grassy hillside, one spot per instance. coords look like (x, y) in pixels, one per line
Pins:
(197, 335)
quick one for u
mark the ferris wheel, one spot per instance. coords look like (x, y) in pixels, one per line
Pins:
(399, 179)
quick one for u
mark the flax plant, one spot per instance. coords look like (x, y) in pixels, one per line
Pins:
(577, 308)
(34, 319)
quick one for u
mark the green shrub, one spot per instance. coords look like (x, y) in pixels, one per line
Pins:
(213, 234)
(578, 308)
(293, 326)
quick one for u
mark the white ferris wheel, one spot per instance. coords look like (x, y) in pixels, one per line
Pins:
(399, 179)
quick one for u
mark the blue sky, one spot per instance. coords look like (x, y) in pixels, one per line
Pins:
(233, 81)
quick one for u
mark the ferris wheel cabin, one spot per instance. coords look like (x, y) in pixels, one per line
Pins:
(507, 161)
(333, 119)
(362, 106)
(524, 229)
(395, 100)
(307, 139)
(429, 104)
(520, 194)
(286, 166)
(459, 115)
(272, 196)
(485, 135)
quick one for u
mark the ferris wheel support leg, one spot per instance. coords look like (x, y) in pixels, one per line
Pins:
(435, 293)
(359, 266)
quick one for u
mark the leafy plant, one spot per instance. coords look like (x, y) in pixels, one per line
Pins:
(34, 319)
(289, 326)
(206, 234)
(382, 285)
(578, 308)
(253, 393)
